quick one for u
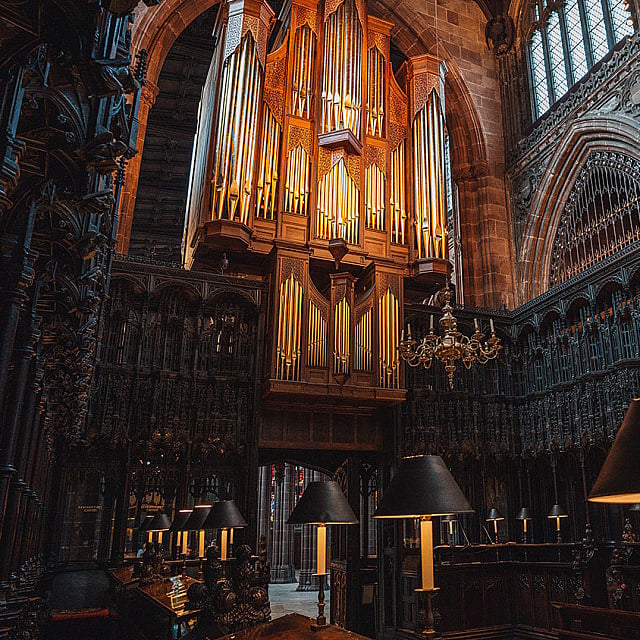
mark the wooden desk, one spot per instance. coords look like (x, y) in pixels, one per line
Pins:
(293, 627)
(172, 620)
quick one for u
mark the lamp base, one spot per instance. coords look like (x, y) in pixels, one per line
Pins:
(428, 631)
(321, 620)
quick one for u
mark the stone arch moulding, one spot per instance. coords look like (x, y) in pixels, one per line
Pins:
(478, 168)
(606, 132)
(155, 30)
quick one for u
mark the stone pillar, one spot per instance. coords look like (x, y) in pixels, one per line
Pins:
(282, 568)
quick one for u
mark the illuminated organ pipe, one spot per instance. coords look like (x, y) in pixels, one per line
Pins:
(342, 77)
(342, 337)
(397, 200)
(362, 347)
(289, 330)
(338, 204)
(268, 176)
(375, 101)
(317, 339)
(428, 169)
(241, 84)
(388, 326)
(296, 191)
(303, 77)
(374, 197)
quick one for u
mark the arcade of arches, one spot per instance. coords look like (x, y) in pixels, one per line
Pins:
(219, 219)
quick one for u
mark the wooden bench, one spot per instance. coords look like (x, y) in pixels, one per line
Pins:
(577, 622)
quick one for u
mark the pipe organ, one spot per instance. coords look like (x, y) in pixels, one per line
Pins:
(322, 168)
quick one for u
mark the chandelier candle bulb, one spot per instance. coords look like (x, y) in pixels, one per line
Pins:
(431, 323)
(491, 325)
(475, 323)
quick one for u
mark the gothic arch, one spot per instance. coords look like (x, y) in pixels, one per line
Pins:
(606, 132)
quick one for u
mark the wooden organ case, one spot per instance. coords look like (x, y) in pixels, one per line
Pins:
(318, 167)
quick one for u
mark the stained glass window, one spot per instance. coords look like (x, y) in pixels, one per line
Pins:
(566, 39)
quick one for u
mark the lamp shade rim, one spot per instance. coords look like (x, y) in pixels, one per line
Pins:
(619, 479)
(224, 515)
(422, 486)
(323, 503)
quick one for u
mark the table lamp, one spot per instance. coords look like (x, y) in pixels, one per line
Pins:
(159, 524)
(177, 526)
(450, 519)
(224, 515)
(322, 503)
(144, 526)
(495, 516)
(558, 512)
(619, 479)
(525, 515)
(195, 522)
(423, 487)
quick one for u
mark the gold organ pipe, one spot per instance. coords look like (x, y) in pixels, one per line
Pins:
(280, 330)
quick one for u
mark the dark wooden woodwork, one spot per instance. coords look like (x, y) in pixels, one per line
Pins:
(292, 626)
(575, 622)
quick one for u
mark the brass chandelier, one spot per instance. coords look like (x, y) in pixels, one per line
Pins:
(450, 347)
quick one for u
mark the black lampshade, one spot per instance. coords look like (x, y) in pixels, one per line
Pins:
(224, 515)
(619, 479)
(180, 519)
(144, 525)
(450, 517)
(160, 522)
(196, 519)
(422, 486)
(557, 511)
(322, 503)
(524, 514)
(494, 515)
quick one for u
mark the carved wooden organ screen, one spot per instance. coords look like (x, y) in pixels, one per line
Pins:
(601, 216)
(313, 145)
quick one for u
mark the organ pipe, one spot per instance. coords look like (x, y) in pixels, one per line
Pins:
(296, 191)
(363, 347)
(338, 205)
(289, 330)
(241, 84)
(342, 78)
(374, 197)
(375, 97)
(388, 326)
(429, 188)
(303, 77)
(317, 338)
(268, 175)
(342, 337)
(397, 200)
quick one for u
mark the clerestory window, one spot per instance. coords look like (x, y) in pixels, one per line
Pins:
(566, 38)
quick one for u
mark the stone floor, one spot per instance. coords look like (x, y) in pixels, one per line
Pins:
(285, 599)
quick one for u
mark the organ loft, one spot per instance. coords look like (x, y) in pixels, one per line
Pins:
(321, 168)
(319, 318)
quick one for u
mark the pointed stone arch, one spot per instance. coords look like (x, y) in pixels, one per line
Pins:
(602, 132)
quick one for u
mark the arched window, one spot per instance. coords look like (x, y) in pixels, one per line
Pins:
(566, 39)
(601, 216)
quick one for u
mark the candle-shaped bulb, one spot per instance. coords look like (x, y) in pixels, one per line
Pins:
(409, 331)
(402, 336)
(475, 322)
(431, 323)
(491, 325)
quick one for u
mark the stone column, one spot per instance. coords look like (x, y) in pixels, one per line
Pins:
(282, 568)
